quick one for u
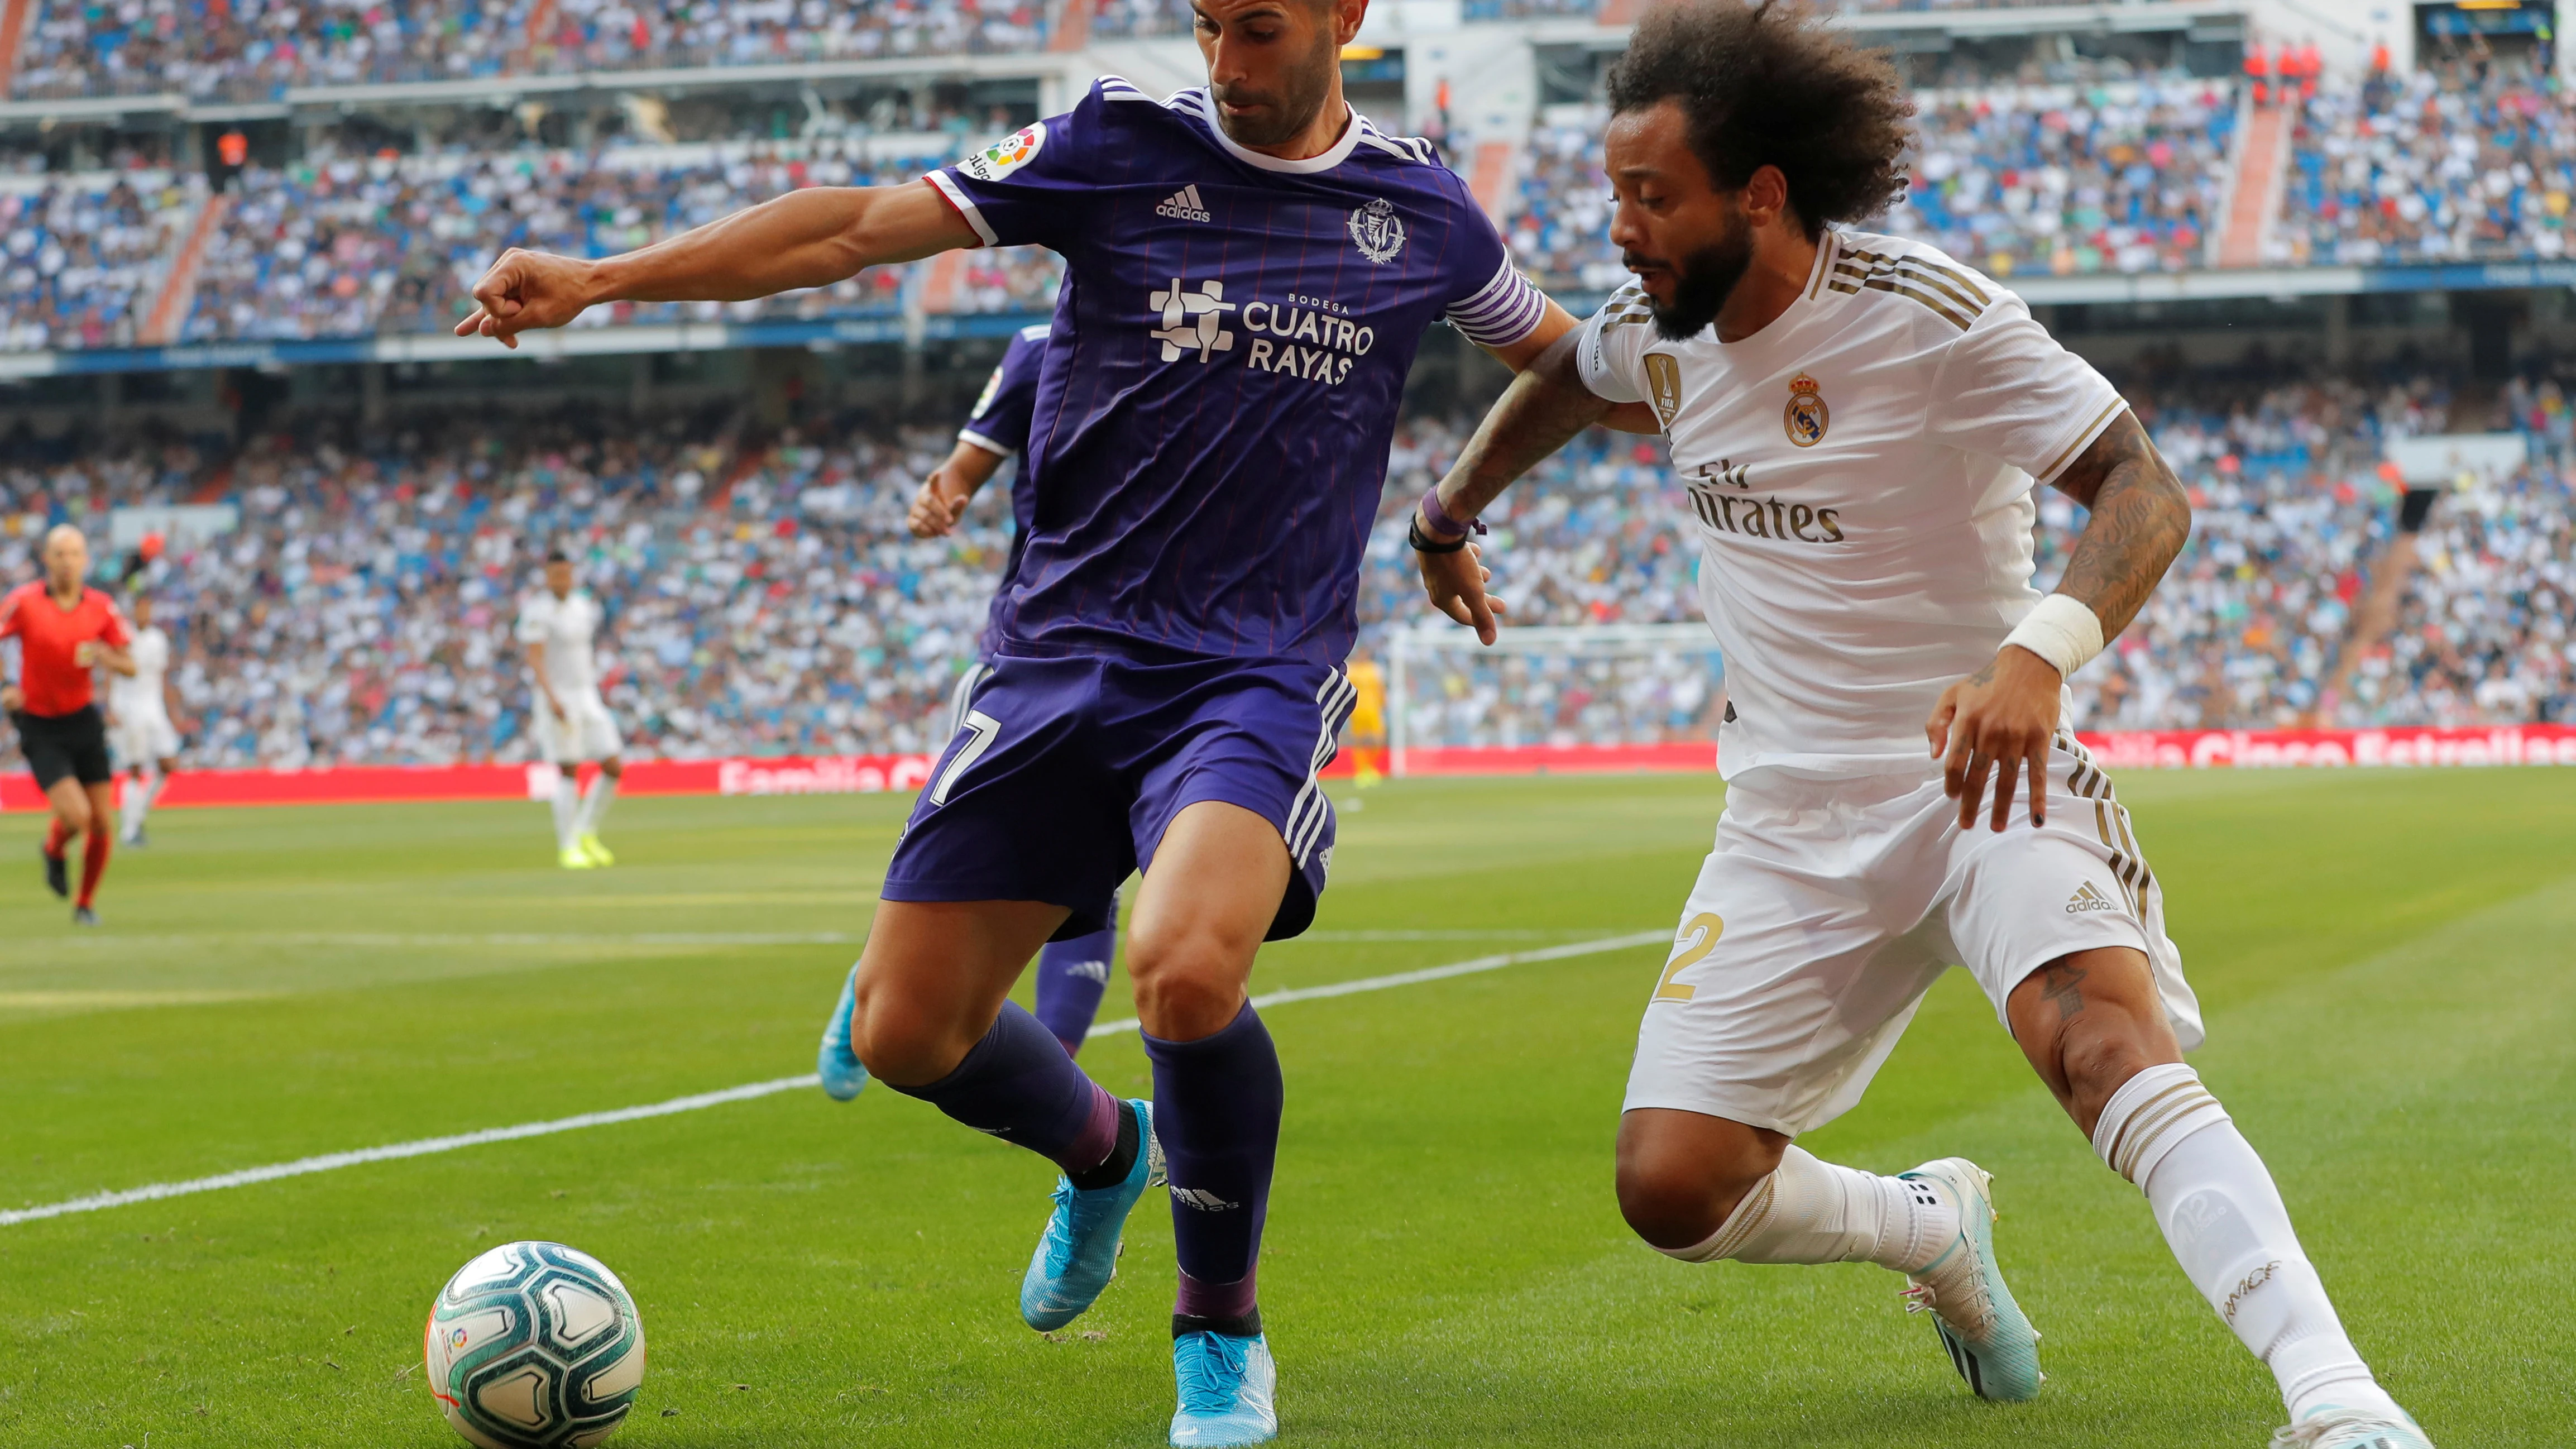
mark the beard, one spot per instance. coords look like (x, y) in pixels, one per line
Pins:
(1292, 108)
(1702, 281)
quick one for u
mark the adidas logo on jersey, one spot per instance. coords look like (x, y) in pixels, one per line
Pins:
(1184, 205)
(2086, 898)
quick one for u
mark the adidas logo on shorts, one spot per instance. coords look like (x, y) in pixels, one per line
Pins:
(2088, 899)
(1183, 205)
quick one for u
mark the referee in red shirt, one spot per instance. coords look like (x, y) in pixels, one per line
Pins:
(65, 629)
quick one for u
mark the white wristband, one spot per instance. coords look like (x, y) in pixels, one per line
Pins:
(2062, 631)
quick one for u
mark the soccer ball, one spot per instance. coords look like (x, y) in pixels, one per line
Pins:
(534, 1346)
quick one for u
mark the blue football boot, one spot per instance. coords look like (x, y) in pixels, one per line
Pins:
(1989, 1340)
(844, 1075)
(1078, 1253)
(1229, 1390)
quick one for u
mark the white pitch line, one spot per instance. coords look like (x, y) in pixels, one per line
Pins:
(427, 1146)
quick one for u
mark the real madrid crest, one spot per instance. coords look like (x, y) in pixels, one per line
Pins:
(1805, 419)
(1377, 231)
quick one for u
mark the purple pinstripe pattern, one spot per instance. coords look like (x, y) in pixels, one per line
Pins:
(1216, 398)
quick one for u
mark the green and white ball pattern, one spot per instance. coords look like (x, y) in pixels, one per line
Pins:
(534, 1346)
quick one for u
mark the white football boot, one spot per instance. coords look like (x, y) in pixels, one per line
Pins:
(1990, 1342)
(2333, 1427)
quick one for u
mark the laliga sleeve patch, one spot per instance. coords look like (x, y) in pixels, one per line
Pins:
(1006, 155)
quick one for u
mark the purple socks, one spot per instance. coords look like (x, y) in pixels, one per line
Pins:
(1216, 1111)
(1017, 1084)
(1071, 976)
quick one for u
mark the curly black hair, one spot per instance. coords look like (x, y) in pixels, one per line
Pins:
(1772, 84)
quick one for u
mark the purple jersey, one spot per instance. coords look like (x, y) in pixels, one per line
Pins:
(1000, 425)
(1222, 380)
(1000, 422)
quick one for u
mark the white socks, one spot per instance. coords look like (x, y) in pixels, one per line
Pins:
(138, 801)
(2224, 1219)
(1810, 1211)
(567, 807)
(594, 804)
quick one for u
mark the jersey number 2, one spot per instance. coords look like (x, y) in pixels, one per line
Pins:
(980, 729)
(1701, 933)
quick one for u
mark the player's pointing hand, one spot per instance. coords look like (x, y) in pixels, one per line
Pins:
(1456, 583)
(527, 289)
(1997, 721)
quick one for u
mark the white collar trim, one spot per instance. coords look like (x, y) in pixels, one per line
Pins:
(1340, 152)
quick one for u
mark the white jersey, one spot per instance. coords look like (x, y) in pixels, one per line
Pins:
(566, 627)
(1859, 474)
(140, 696)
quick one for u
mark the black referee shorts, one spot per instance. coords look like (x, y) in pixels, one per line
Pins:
(65, 745)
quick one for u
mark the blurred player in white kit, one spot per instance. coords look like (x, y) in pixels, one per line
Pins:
(139, 728)
(572, 724)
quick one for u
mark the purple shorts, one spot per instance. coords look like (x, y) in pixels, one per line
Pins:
(1064, 774)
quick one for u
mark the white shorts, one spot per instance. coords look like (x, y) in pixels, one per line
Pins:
(1829, 907)
(585, 733)
(142, 735)
(961, 697)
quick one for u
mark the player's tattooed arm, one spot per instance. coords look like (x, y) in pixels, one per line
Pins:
(1998, 723)
(1543, 409)
(2140, 518)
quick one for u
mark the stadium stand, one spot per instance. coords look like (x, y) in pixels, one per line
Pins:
(80, 257)
(2443, 165)
(253, 51)
(2292, 513)
(2124, 176)
(766, 600)
(349, 246)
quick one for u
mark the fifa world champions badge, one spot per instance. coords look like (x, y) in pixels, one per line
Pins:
(1377, 231)
(1664, 387)
(1805, 419)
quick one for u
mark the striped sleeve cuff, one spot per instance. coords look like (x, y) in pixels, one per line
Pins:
(975, 439)
(1502, 312)
(955, 195)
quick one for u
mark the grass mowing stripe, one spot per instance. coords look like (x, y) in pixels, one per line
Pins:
(427, 1146)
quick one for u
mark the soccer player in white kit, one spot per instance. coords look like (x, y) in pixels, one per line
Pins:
(139, 728)
(572, 725)
(1859, 422)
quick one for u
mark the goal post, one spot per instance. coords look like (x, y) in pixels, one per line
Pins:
(1605, 684)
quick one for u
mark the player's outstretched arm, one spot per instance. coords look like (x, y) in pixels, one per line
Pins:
(808, 238)
(1544, 409)
(2000, 720)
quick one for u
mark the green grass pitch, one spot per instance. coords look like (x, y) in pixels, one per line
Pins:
(2384, 957)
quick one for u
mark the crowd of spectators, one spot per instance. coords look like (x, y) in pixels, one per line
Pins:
(764, 598)
(2451, 163)
(1117, 19)
(1589, 539)
(80, 258)
(2293, 513)
(2117, 177)
(349, 246)
(2066, 180)
(253, 50)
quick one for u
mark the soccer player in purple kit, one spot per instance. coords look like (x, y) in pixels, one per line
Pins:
(1072, 974)
(1250, 268)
